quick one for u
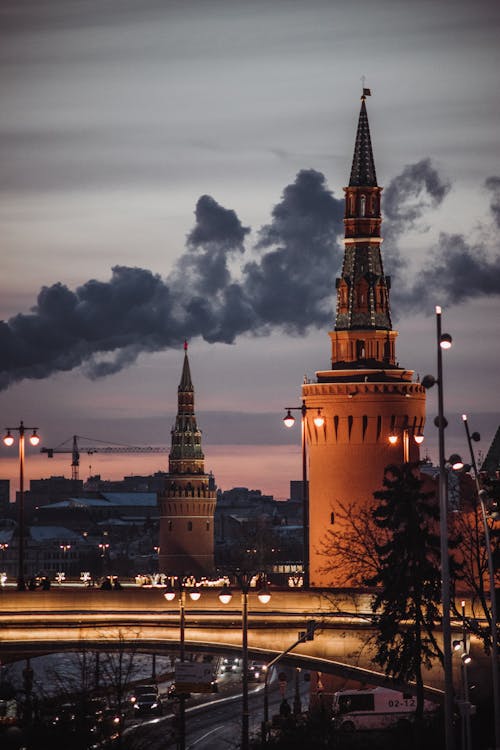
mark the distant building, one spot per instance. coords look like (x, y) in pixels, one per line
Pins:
(255, 530)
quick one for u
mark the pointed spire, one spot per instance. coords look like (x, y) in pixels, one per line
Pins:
(186, 437)
(363, 166)
(186, 384)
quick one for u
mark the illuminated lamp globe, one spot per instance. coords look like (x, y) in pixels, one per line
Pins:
(35, 438)
(169, 595)
(318, 420)
(225, 595)
(456, 462)
(289, 420)
(419, 439)
(445, 341)
(393, 439)
(8, 439)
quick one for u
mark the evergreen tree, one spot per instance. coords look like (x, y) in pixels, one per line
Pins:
(408, 577)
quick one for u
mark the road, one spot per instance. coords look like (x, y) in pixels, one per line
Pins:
(215, 725)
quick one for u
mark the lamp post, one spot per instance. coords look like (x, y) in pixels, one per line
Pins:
(170, 595)
(289, 421)
(444, 341)
(9, 441)
(225, 597)
(491, 574)
(463, 646)
(104, 547)
(406, 431)
(65, 549)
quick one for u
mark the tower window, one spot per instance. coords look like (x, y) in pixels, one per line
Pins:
(332, 518)
(208, 526)
(170, 525)
(362, 205)
(360, 349)
(190, 525)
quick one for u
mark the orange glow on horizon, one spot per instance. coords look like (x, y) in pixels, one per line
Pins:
(268, 468)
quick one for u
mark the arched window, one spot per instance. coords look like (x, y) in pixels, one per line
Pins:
(360, 349)
(332, 518)
(362, 205)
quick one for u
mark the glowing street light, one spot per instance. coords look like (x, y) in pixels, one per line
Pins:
(9, 442)
(289, 421)
(482, 496)
(225, 597)
(418, 438)
(180, 590)
(443, 341)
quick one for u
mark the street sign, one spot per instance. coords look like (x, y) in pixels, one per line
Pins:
(193, 677)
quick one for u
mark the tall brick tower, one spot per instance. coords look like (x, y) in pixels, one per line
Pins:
(366, 396)
(187, 502)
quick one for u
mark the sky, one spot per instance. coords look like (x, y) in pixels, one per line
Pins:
(174, 170)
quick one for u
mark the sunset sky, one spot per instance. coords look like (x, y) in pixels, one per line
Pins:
(174, 169)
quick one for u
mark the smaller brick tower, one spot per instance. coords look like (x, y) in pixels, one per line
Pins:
(187, 502)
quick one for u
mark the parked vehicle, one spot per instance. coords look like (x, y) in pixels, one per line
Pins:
(374, 708)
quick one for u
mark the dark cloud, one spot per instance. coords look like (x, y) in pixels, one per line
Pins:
(455, 272)
(293, 284)
(406, 200)
(103, 326)
(217, 234)
(493, 184)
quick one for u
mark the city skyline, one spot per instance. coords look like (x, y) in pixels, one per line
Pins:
(202, 150)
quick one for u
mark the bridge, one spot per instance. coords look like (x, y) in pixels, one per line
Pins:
(77, 618)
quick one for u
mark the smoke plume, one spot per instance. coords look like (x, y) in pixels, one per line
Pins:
(220, 288)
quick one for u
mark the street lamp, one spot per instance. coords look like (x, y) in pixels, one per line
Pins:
(225, 597)
(465, 659)
(104, 547)
(443, 341)
(194, 594)
(289, 421)
(9, 441)
(417, 436)
(481, 494)
(65, 549)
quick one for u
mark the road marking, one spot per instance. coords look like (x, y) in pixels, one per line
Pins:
(204, 736)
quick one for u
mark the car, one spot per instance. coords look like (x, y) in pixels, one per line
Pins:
(143, 690)
(148, 703)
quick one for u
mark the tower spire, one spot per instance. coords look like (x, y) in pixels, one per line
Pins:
(186, 455)
(186, 383)
(363, 165)
(363, 289)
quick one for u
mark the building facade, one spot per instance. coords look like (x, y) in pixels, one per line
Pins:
(366, 396)
(187, 501)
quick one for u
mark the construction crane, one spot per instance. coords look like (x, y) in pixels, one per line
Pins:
(114, 448)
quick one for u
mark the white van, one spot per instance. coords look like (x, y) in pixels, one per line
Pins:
(374, 708)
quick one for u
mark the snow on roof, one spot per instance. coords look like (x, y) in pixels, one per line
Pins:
(47, 533)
